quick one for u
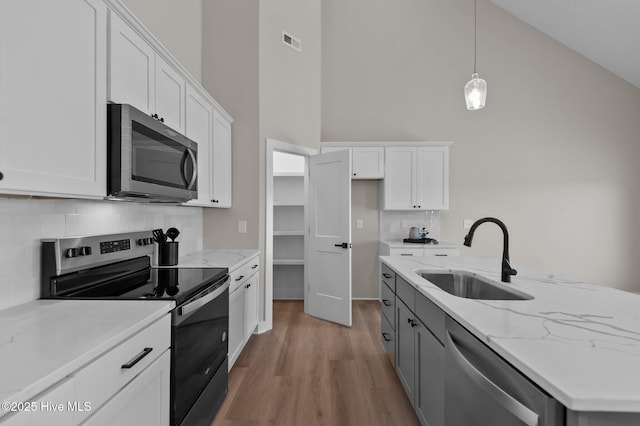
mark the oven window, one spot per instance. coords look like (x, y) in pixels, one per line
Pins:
(158, 159)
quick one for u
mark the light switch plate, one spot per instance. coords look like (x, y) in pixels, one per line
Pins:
(359, 223)
(242, 226)
(467, 223)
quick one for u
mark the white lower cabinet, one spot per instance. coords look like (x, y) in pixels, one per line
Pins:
(127, 385)
(37, 413)
(53, 86)
(236, 324)
(143, 402)
(243, 306)
(251, 305)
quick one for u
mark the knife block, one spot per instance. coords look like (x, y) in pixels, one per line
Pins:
(168, 253)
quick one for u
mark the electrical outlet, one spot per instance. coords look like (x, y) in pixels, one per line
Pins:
(359, 223)
(242, 226)
(467, 223)
(404, 223)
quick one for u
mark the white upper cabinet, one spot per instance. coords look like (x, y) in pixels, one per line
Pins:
(142, 74)
(199, 128)
(367, 163)
(432, 178)
(140, 77)
(52, 97)
(169, 95)
(131, 67)
(416, 178)
(221, 163)
(400, 179)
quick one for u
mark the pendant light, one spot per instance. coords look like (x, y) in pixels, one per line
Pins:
(475, 91)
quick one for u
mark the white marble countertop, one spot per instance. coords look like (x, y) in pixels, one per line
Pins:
(440, 245)
(42, 342)
(580, 342)
(231, 259)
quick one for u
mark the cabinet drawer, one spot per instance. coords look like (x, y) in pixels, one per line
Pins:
(440, 252)
(405, 292)
(388, 305)
(431, 315)
(389, 277)
(387, 335)
(241, 275)
(406, 252)
(102, 378)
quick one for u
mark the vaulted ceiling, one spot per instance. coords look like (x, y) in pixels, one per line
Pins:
(605, 31)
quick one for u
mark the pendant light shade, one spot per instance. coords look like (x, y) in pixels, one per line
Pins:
(475, 91)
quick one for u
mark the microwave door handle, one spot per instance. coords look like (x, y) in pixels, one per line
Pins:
(183, 171)
(194, 176)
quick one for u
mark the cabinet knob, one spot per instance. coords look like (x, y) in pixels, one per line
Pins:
(154, 116)
(162, 119)
(419, 207)
(354, 174)
(414, 207)
(1, 176)
(248, 285)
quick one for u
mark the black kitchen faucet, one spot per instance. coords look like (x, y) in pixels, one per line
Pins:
(507, 270)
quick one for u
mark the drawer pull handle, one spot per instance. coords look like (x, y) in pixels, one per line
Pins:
(386, 276)
(385, 336)
(254, 266)
(386, 302)
(442, 255)
(138, 358)
(406, 254)
(240, 277)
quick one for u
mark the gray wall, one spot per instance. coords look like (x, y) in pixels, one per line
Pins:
(365, 201)
(554, 153)
(177, 25)
(271, 90)
(231, 75)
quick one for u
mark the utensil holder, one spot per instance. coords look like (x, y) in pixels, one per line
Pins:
(168, 253)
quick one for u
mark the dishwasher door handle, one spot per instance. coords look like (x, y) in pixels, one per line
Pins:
(515, 407)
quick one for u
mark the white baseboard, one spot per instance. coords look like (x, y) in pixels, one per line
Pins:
(262, 327)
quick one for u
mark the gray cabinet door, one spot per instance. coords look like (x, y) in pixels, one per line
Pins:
(405, 348)
(429, 377)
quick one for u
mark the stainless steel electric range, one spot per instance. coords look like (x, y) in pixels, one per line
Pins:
(118, 266)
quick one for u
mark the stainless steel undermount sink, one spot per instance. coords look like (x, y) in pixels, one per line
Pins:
(471, 286)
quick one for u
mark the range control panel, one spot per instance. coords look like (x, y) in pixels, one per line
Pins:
(76, 253)
(117, 245)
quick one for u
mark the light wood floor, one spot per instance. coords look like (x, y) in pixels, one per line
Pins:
(310, 372)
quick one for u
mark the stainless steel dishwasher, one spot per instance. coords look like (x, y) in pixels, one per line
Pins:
(483, 389)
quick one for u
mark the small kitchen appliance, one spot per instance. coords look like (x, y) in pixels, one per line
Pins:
(118, 266)
(147, 160)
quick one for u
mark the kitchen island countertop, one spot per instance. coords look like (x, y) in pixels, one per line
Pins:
(578, 341)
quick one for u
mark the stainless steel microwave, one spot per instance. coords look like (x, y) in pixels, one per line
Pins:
(147, 160)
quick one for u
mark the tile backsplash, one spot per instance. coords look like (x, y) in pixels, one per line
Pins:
(392, 229)
(23, 222)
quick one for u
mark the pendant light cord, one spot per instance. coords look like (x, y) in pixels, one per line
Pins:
(475, 34)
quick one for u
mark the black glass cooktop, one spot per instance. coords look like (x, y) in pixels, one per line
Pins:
(134, 279)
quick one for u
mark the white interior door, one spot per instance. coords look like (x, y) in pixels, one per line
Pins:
(328, 257)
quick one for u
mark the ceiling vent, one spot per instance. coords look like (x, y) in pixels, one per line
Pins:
(291, 41)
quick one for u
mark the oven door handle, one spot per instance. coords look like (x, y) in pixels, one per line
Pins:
(196, 304)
